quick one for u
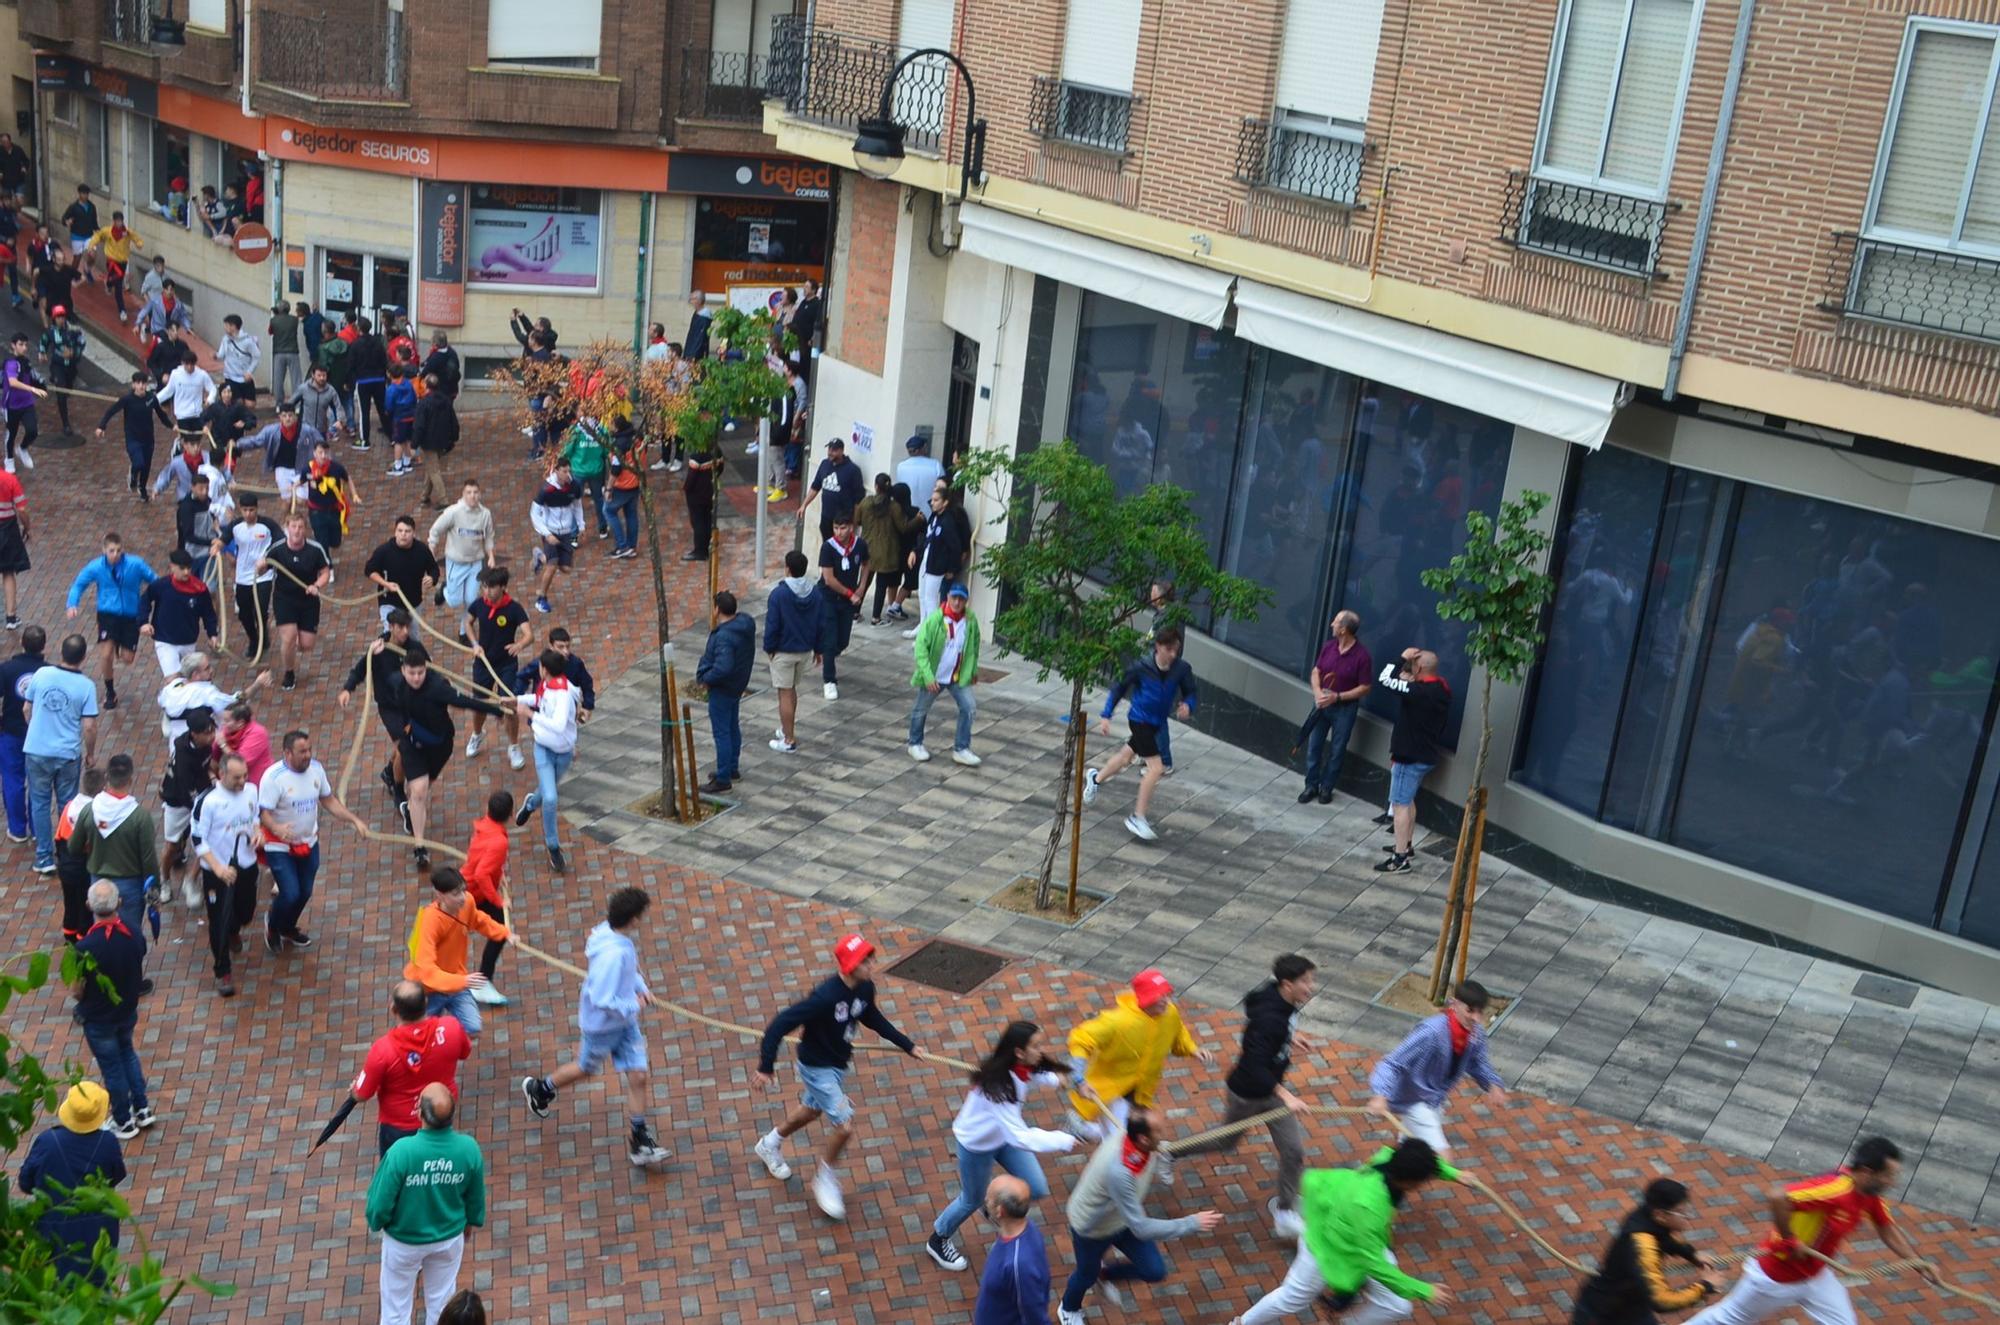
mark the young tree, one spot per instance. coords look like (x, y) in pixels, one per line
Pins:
(120, 1287)
(1078, 564)
(1498, 587)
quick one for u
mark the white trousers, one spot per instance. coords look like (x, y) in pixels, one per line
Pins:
(930, 595)
(1426, 1123)
(437, 1262)
(1758, 1297)
(1304, 1283)
(170, 656)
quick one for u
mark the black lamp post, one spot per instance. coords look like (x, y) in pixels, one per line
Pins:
(878, 147)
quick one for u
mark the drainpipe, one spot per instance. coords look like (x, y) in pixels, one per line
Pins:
(274, 217)
(244, 22)
(642, 300)
(1704, 222)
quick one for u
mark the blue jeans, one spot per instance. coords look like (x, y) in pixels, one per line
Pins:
(51, 782)
(1326, 747)
(550, 765)
(961, 696)
(974, 1168)
(594, 489)
(836, 627)
(728, 733)
(111, 1045)
(14, 784)
(132, 903)
(1142, 1262)
(458, 1005)
(294, 877)
(622, 509)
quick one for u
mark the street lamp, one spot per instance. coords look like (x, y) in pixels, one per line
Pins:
(878, 146)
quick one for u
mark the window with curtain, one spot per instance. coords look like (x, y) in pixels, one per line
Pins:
(1614, 98)
(922, 88)
(527, 33)
(1326, 73)
(212, 15)
(172, 168)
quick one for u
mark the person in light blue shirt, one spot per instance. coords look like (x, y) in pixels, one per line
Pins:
(61, 704)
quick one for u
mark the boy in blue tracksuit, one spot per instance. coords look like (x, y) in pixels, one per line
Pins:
(119, 580)
(1159, 687)
(401, 402)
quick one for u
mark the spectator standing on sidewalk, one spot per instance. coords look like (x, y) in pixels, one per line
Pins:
(1014, 1288)
(1107, 1211)
(791, 638)
(284, 330)
(61, 1160)
(434, 432)
(554, 707)
(1160, 688)
(118, 841)
(1257, 1083)
(109, 1018)
(607, 1019)
(698, 488)
(1341, 677)
(420, 1050)
(919, 472)
(399, 403)
(368, 360)
(947, 655)
(224, 836)
(14, 561)
(1411, 1084)
(429, 1189)
(838, 486)
(843, 571)
(586, 450)
(881, 524)
(439, 948)
(726, 662)
(1414, 743)
(61, 707)
(15, 674)
(621, 506)
(941, 556)
(699, 317)
(72, 873)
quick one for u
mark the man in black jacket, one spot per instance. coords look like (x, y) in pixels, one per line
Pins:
(435, 434)
(422, 701)
(1630, 1287)
(442, 363)
(1414, 743)
(696, 340)
(380, 668)
(368, 369)
(1257, 1083)
(725, 669)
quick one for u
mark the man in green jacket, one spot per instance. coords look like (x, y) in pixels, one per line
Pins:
(428, 1190)
(115, 835)
(948, 660)
(1345, 1251)
(586, 451)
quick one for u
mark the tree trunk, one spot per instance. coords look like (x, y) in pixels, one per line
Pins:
(1072, 750)
(715, 533)
(663, 625)
(1460, 901)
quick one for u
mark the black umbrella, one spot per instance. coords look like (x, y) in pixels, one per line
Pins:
(333, 1123)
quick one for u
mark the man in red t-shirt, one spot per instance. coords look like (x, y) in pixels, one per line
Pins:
(13, 541)
(418, 1051)
(1819, 1213)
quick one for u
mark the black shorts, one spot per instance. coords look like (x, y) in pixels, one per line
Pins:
(1145, 740)
(325, 527)
(423, 761)
(296, 610)
(246, 392)
(559, 550)
(504, 677)
(120, 630)
(13, 548)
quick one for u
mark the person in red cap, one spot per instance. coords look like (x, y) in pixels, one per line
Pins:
(830, 1018)
(1120, 1054)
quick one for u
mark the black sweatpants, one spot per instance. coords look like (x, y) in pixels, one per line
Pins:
(253, 613)
(489, 956)
(231, 908)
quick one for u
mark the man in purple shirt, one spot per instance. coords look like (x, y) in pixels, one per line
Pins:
(1014, 1288)
(1341, 676)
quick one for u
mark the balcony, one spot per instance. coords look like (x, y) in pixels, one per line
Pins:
(1957, 294)
(315, 57)
(1614, 231)
(55, 21)
(835, 80)
(1303, 159)
(503, 95)
(725, 86)
(1090, 117)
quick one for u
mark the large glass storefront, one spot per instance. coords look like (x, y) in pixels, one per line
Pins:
(1798, 687)
(1328, 490)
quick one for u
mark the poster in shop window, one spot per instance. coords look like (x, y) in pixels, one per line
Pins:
(535, 236)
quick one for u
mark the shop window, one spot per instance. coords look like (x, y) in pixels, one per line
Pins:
(527, 34)
(172, 159)
(756, 246)
(536, 237)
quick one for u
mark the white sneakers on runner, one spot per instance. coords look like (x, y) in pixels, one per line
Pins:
(770, 1150)
(826, 1193)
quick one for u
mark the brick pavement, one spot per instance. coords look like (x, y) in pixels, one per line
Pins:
(224, 1186)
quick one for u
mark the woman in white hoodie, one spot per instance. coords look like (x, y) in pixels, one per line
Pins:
(989, 1130)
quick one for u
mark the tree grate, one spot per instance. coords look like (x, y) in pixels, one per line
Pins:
(949, 966)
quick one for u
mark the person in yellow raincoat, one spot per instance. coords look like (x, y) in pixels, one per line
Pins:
(1120, 1054)
(116, 243)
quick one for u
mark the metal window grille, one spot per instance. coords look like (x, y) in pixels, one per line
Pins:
(333, 59)
(1585, 224)
(1086, 116)
(723, 85)
(1301, 160)
(1935, 290)
(834, 79)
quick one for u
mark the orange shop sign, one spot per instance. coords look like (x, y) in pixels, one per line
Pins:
(358, 149)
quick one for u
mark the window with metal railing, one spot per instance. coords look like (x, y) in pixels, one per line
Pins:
(1584, 224)
(1911, 286)
(332, 59)
(723, 85)
(1092, 117)
(829, 78)
(1312, 158)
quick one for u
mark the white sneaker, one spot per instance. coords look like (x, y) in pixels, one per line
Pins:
(27, 461)
(672, 467)
(191, 894)
(752, 449)
(515, 759)
(826, 1193)
(1140, 829)
(488, 996)
(966, 757)
(474, 745)
(1089, 786)
(1065, 1316)
(911, 633)
(830, 690)
(1286, 1223)
(773, 1157)
(921, 755)
(10, 464)
(783, 746)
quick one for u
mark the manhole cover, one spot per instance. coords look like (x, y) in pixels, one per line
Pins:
(952, 967)
(1882, 989)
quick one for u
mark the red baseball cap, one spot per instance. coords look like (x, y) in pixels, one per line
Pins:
(58, 311)
(851, 951)
(1150, 986)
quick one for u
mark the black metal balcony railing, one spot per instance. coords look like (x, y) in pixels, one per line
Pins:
(1585, 224)
(1272, 154)
(1085, 116)
(723, 85)
(333, 59)
(129, 22)
(832, 79)
(1955, 293)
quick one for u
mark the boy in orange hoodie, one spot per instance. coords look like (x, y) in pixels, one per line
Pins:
(485, 871)
(437, 949)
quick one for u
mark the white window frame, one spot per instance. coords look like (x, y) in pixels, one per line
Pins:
(1596, 179)
(62, 98)
(1916, 239)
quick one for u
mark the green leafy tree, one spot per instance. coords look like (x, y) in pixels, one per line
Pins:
(120, 1287)
(1076, 568)
(1497, 586)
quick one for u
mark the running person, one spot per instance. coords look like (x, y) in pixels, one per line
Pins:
(119, 580)
(607, 1020)
(138, 409)
(380, 665)
(421, 701)
(287, 445)
(190, 391)
(1107, 1212)
(289, 797)
(439, 945)
(462, 538)
(116, 242)
(1411, 1084)
(62, 347)
(830, 1018)
(554, 707)
(14, 561)
(1629, 1287)
(403, 569)
(557, 518)
(330, 498)
(1121, 1053)
(250, 539)
(304, 570)
(176, 611)
(505, 637)
(224, 837)
(23, 387)
(1161, 687)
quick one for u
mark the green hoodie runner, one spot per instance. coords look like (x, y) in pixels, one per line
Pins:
(1347, 1214)
(930, 651)
(429, 1188)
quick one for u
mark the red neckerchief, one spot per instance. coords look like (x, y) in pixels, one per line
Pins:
(496, 606)
(290, 434)
(847, 548)
(119, 232)
(318, 469)
(1461, 1034)
(167, 302)
(550, 683)
(110, 924)
(1021, 1072)
(187, 583)
(959, 615)
(1134, 1159)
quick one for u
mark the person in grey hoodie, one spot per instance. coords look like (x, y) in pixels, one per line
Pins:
(319, 402)
(607, 1016)
(1107, 1209)
(725, 669)
(791, 642)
